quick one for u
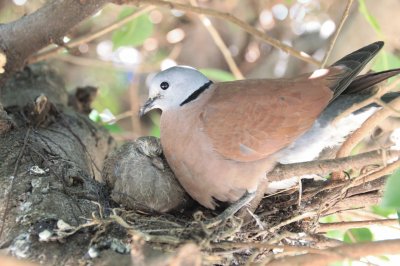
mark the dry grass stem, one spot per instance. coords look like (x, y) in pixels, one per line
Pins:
(221, 44)
(337, 32)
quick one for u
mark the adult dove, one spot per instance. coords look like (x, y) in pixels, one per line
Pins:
(222, 139)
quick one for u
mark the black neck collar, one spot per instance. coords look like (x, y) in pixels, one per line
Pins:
(196, 93)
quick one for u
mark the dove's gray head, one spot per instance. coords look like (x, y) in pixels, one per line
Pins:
(174, 87)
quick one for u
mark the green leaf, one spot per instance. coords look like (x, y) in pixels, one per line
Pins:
(113, 128)
(362, 8)
(133, 33)
(95, 116)
(357, 235)
(335, 234)
(391, 197)
(329, 219)
(385, 212)
(217, 74)
(155, 130)
(386, 60)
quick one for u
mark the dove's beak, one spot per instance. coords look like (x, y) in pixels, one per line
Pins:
(148, 106)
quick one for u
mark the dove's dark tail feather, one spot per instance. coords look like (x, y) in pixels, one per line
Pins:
(365, 83)
(353, 63)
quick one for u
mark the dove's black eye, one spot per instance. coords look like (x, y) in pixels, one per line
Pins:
(164, 85)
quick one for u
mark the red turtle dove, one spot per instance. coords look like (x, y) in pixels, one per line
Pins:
(222, 139)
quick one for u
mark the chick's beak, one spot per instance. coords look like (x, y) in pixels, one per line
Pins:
(147, 106)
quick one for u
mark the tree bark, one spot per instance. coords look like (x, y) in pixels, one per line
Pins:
(48, 164)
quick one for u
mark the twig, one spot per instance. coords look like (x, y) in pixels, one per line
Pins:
(122, 116)
(227, 17)
(324, 227)
(335, 36)
(355, 202)
(366, 128)
(390, 168)
(89, 37)
(286, 222)
(357, 186)
(352, 251)
(221, 44)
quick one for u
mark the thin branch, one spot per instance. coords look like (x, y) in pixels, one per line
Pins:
(366, 128)
(98, 63)
(221, 44)
(261, 245)
(389, 169)
(385, 105)
(325, 227)
(324, 167)
(353, 251)
(227, 17)
(284, 223)
(335, 36)
(88, 37)
(355, 202)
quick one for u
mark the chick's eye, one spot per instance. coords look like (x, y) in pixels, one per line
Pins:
(164, 85)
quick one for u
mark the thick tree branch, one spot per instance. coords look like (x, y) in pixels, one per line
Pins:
(49, 24)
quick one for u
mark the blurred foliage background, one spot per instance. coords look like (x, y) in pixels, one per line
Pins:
(120, 62)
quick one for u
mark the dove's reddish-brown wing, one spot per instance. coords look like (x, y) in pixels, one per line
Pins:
(247, 121)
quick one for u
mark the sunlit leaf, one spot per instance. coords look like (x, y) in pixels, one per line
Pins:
(357, 235)
(335, 234)
(113, 128)
(362, 8)
(329, 219)
(135, 32)
(217, 74)
(384, 258)
(386, 60)
(391, 197)
(95, 116)
(155, 130)
(385, 212)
